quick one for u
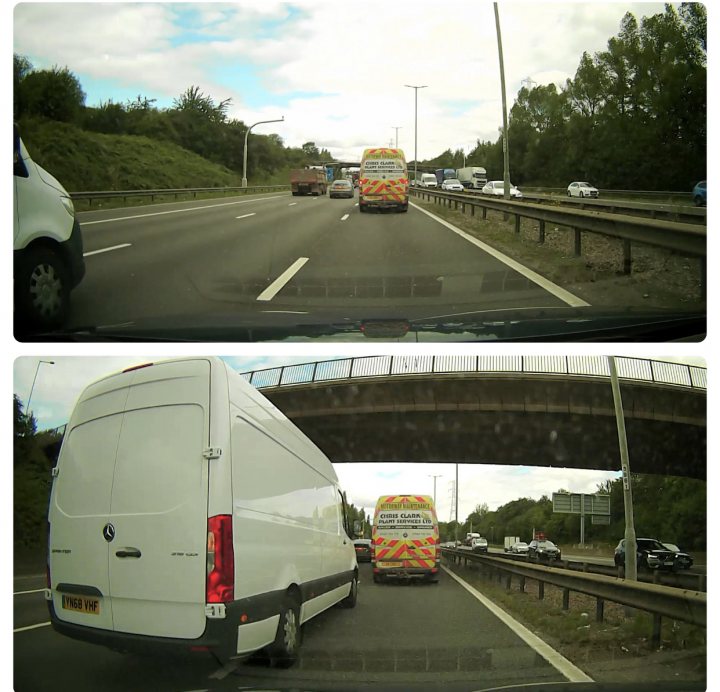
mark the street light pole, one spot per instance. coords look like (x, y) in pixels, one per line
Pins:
(506, 151)
(247, 132)
(630, 538)
(396, 134)
(410, 86)
(434, 486)
(37, 369)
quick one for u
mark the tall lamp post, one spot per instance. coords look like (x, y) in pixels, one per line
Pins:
(247, 132)
(410, 86)
(27, 408)
(396, 135)
(506, 150)
(434, 485)
(630, 536)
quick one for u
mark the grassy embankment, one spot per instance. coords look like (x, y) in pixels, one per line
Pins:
(86, 161)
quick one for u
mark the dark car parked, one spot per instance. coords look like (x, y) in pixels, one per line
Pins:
(543, 550)
(363, 551)
(652, 554)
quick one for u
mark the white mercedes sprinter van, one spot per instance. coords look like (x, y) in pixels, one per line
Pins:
(47, 244)
(188, 513)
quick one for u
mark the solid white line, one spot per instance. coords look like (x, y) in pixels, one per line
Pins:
(344, 217)
(292, 204)
(107, 249)
(179, 211)
(541, 281)
(22, 593)
(555, 659)
(244, 216)
(276, 286)
(31, 627)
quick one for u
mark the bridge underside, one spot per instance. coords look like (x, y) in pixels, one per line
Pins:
(509, 438)
(534, 422)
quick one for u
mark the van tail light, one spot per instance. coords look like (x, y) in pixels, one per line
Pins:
(220, 560)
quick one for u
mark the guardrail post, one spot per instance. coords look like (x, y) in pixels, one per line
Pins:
(599, 610)
(627, 257)
(578, 242)
(541, 590)
(517, 224)
(541, 230)
(656, 630)
(484, 213)
(566, 599)
(522, 585)
(508, 582)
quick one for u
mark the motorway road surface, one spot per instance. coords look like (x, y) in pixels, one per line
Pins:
(250, 260)
(397, 633)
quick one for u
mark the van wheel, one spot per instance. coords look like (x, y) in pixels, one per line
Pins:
(283, 651)
(351, 599)
(42, 289)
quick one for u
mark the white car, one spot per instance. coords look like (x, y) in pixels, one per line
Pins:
(519, 548)
(497, 188)
(582, 190)
(453, 185)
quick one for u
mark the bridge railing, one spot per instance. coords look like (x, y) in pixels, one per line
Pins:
(639, 369)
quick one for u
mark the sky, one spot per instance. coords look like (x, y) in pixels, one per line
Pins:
(335, 71)
(57, 387)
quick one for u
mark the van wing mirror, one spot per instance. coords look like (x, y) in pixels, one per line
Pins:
(19, 168)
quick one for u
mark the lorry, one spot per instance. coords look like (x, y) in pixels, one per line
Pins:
(48, 257)
(188, 514)
(510, 541)
(472, 177)
(443, 174)
(308, 181)
(405, 539)
(469, 538)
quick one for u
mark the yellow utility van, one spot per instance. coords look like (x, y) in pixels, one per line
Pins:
(383, 179)
(405, 538)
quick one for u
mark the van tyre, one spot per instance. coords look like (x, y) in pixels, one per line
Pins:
(283, 651)
(351, 599)
(42, 289)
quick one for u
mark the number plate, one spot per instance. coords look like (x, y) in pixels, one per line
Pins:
(390, 564)
(81, 604)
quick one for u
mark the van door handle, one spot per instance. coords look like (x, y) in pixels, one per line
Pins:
(128, 552)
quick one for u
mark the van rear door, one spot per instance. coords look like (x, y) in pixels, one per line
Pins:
(144, 543)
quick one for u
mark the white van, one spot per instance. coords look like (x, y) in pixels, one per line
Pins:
(428, 180)
(47, 244)
(187, 513)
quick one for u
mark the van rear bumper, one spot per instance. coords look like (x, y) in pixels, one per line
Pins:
(405, 573)
(219, 636)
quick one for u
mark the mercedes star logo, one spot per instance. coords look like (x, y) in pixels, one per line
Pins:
(108, 532)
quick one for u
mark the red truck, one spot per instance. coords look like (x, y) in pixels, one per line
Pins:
(308, 181)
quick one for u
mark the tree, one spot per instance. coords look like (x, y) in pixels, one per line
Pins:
(311, 152)
(55, 94)
(24, 425)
